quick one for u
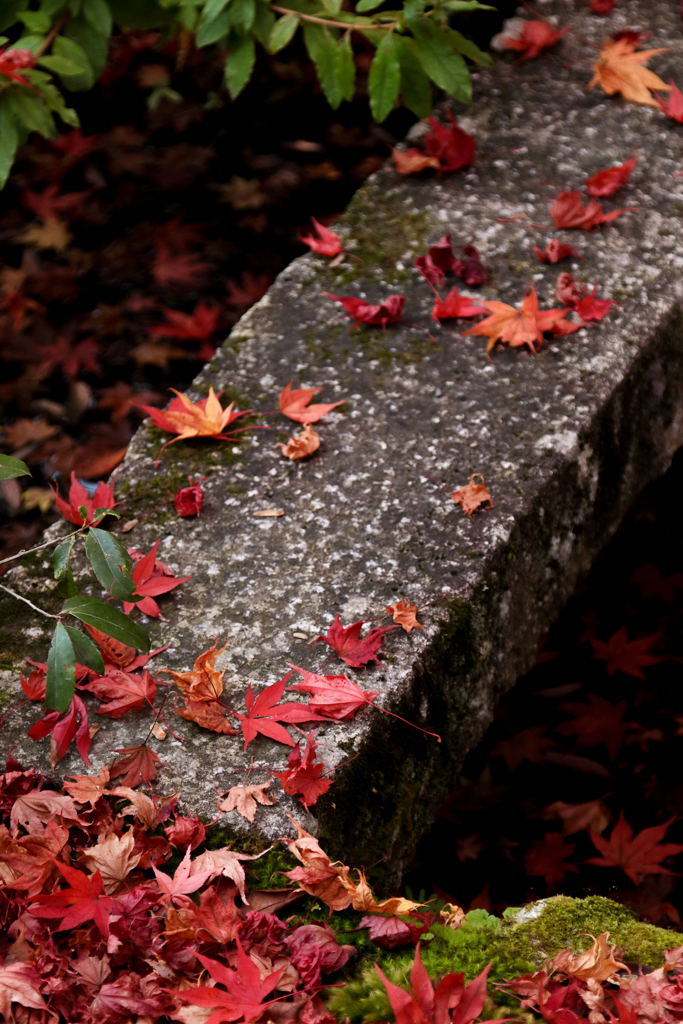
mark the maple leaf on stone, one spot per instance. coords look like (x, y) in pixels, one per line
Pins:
(244, 994)
(472, 496)
(453, 147)
(405, 614)
(531, 38)
(34, 686)
(264, 714)
(438, 261)
(188, 501)
(346, 642)
(244, 799)
(583, 302)
(138, 764)
(637, 855)
(470, 269)
(413, 161)
(556, 251)
(20, 982)
(82, 901)
(622, 655)
(528, 745)
(294, 404)
(327, 243)
(204, 682)
(148, 586)
(569, 212)
(205, 418)
(124, 691)
(317, 876)
(87, 789)
(303, 776)
(301, 446)
(597, 722)
(114, 858)
(208, 714)
(335, 697)
(546, 857)
(453, 1002)
(525, 326)
(389, 310)
(64, 726)
(178, 888)
(606, 183)
(674, 108)
(455, 305)
(78, 496)
(619, 68)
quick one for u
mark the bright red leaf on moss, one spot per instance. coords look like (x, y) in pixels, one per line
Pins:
(674, 108)
(102, 498)
(455, 305)
(327, 243)
(346, 642)
(294, 404)
(624, 655)
(82, 901)
(12, 61)
(556, 251)
(568, 212)
(637, 855)
(148, 585)
(64, 726)
(453, 147)
(187, 419)
(453, 1002)
(546, 857)
(606, 183)
(245, 995)
(533, 37)
(387, 312)
(264, 714)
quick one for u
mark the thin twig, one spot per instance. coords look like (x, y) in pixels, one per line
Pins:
(49, 39)
(333, 24)
(48, 615)
(29, 551)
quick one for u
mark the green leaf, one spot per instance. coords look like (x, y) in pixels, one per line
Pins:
(55, 101)
(98, 15)
(35, 21)
(85, 651)
(368, 5)
(9, 143)
(326, 68)
(83, 512)
(468, 5)
(61, 556)
(140, 14)
(100, 513)
(60, 65)
(264, 22)
(94, 45)
(282, 32)
(30, 111)
(30, 42)
(242, 14)
(332, 7)
(210, 32)
(312, 37)
(108, 620)
(239, 65)
(60, 682)
(467, 48)
(111, 563)
(212, 8)
(11, 467)
(416, 90)
(52, 7)
(384, 79)
(84, 78)
(9, 12)
(445, 68)
(346, 68)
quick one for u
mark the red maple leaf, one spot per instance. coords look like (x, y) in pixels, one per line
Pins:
(72, 358)
(568, 212)
(556, 251)
(304, 776)
(597, 722)
(244, 998)
(196, 326)
(653, 584)
(453, 1002)
(176, 889)
(453, 147)
(336, 697)
(18, 305)
(622, 655)
(327, 244)
(180, 269)
(527, 745)
(602, 6)
(606, 183)
(387, 312)
(471, 269)
(249, 290)
(642, 855)
(124, 691)
(64, 726)
(137, 765)
(178, 236)
(546, 858)
(74, 145)
(264, 714)
(12, 60)
(583, 302)
(205, 418)
(294, 404)
(674, 108)
(83, 901)
(439, 261)
(534, 37)
(454, 305)
(48, 204)
(345, 641)
(149, 586)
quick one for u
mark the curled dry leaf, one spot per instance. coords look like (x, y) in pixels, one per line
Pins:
(556, 251)
(302, 445)
(208, 714)
(362, 898)
(243, 799)
(452, 916)
(531, 38)
(413, 161)
(472, 496)
(389, 310)
(269, 513)
(619, 68)
(317, 876)
(596, 964)
(204, 682)
(405, 614)
(114, 858)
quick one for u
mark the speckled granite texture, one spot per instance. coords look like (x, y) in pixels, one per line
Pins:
(565, 440)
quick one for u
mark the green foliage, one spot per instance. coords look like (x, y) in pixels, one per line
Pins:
(69, 40)
(9, 466)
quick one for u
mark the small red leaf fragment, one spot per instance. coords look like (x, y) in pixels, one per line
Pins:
(346, 642)
(387, 312)
(556, 251)
(453, 147)
(606, 183)
(674, 108)
(327, 244)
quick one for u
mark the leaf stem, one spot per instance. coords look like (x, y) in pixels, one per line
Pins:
(334, 24)
(38, 547)
(54, 31)
(48, 615)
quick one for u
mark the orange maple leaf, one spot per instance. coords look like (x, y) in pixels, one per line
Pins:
(619, 69)
(405, 614)
(243, 799)
(639, 855)
(521, 327)
(206, 418)
(597, 963)
(471, 496)
(304, 444)
(204, 682)
(294, 404)
(208, 714)
(413, 161)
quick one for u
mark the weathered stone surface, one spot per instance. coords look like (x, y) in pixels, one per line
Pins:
(565, 439)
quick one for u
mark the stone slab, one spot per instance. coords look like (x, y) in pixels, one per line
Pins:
(566, 440)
